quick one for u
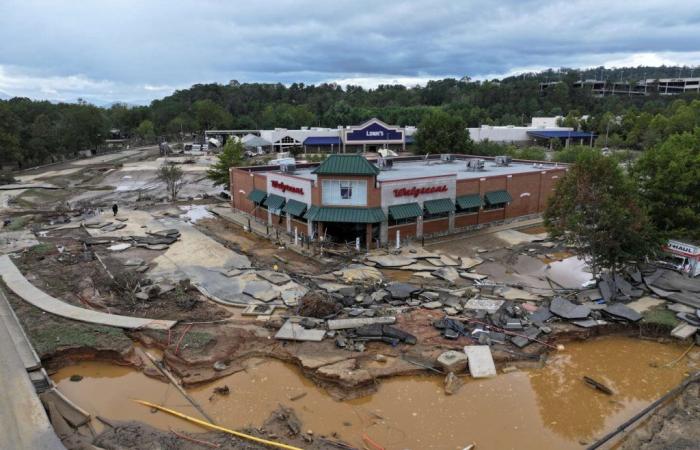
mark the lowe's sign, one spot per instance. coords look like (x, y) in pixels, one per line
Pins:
(374, 132)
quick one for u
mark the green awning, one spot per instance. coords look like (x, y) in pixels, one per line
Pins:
(469, 201)
(311, 213)
(439, 206)
(346, 215)
(257, 196)
(405, 211)
(274, 201)
(294, 207)
(498, 197)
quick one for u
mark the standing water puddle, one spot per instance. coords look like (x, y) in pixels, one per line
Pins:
(533, 409)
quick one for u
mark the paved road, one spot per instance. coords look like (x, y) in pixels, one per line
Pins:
(23, 420)
(14, 280)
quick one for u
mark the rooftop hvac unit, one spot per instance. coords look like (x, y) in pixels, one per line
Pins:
(288, 168)
(475, 164)
(447, 157)
(385, 163)
(503, 160)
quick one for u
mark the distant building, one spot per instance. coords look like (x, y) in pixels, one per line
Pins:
(369, 136)
(661, 86)
(540, 131)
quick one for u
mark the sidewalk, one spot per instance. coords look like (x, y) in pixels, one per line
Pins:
(23, 420)
(486, 230)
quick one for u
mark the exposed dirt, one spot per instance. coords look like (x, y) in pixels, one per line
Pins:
(282, 426)
(676, 426)
(60, 342)
(262, 252)
(85, 283)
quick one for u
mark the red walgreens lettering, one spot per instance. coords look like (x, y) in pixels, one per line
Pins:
(284, 187)
(416, 191)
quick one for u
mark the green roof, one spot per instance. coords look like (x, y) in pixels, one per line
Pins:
(257, 196)
(347, 215)
(274, 201)
(311, 212)
(439, 206)
(497, 197)
(469, 201)
(346, 165)
(295, 208)
(405, 211)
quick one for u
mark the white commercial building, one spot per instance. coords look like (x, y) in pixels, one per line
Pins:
(511, 134)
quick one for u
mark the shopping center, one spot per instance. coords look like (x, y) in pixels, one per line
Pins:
(349, 197)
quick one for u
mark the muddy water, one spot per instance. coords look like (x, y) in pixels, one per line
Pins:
(535, 409)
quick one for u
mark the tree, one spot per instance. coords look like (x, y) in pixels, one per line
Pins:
(231, 156)
(209, 115)
(173, 178)
(440, 132)
(146, 131)
(596, 209)
(669, 180)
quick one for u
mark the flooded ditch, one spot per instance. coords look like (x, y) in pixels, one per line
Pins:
(537, 408)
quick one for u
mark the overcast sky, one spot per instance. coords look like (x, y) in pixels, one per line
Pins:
(135, 51)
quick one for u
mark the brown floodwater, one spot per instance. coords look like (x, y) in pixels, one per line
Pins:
(530, 409)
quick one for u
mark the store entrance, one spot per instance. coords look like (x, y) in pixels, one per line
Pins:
(342, 233)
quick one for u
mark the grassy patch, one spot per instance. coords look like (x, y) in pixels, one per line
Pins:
(196, 340)
(40, 249)
(660, 316)
(49, 339)
(18, 223)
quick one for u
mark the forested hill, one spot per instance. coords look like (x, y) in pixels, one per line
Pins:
(33, 132)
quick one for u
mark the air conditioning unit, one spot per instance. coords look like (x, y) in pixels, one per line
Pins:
(385, 163)
(447, 157)
(503, 160)
(475, 164)
(288, 168)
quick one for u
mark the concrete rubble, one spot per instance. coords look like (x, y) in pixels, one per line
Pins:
(454, 309)
(481, 363)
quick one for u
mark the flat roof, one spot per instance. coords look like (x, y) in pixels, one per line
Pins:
(420, 168)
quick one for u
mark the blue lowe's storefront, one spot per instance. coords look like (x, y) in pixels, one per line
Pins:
(373, 135)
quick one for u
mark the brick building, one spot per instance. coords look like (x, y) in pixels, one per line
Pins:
(348, 197)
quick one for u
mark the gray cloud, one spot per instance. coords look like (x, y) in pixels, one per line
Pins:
(134, 50)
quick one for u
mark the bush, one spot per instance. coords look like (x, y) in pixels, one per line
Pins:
(7, 178)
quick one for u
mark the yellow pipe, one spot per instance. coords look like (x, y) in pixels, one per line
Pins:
(216, 427)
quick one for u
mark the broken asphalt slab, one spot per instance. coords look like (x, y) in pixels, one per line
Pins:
(402, 291)
(291, 331)
(621, 311)
(391, 260)
(567, 310)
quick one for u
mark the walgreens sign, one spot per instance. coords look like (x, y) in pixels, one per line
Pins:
(284, 187)
(416, 191)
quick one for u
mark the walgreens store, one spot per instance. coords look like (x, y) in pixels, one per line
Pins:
(348, 196)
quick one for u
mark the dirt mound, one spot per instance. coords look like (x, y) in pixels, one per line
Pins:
(318, 305)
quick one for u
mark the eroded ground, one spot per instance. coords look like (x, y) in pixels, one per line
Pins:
(180, 261)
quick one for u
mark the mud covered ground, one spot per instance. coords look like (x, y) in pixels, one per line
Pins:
(675, 426)
(282, 424)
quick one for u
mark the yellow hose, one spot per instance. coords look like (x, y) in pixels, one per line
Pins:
(216, 427)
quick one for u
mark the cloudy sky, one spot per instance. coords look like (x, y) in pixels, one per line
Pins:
(135, 51)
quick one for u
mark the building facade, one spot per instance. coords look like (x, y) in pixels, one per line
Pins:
(349, 197)
(367, 137)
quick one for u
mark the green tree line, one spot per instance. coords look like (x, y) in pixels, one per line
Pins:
(36, 132)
